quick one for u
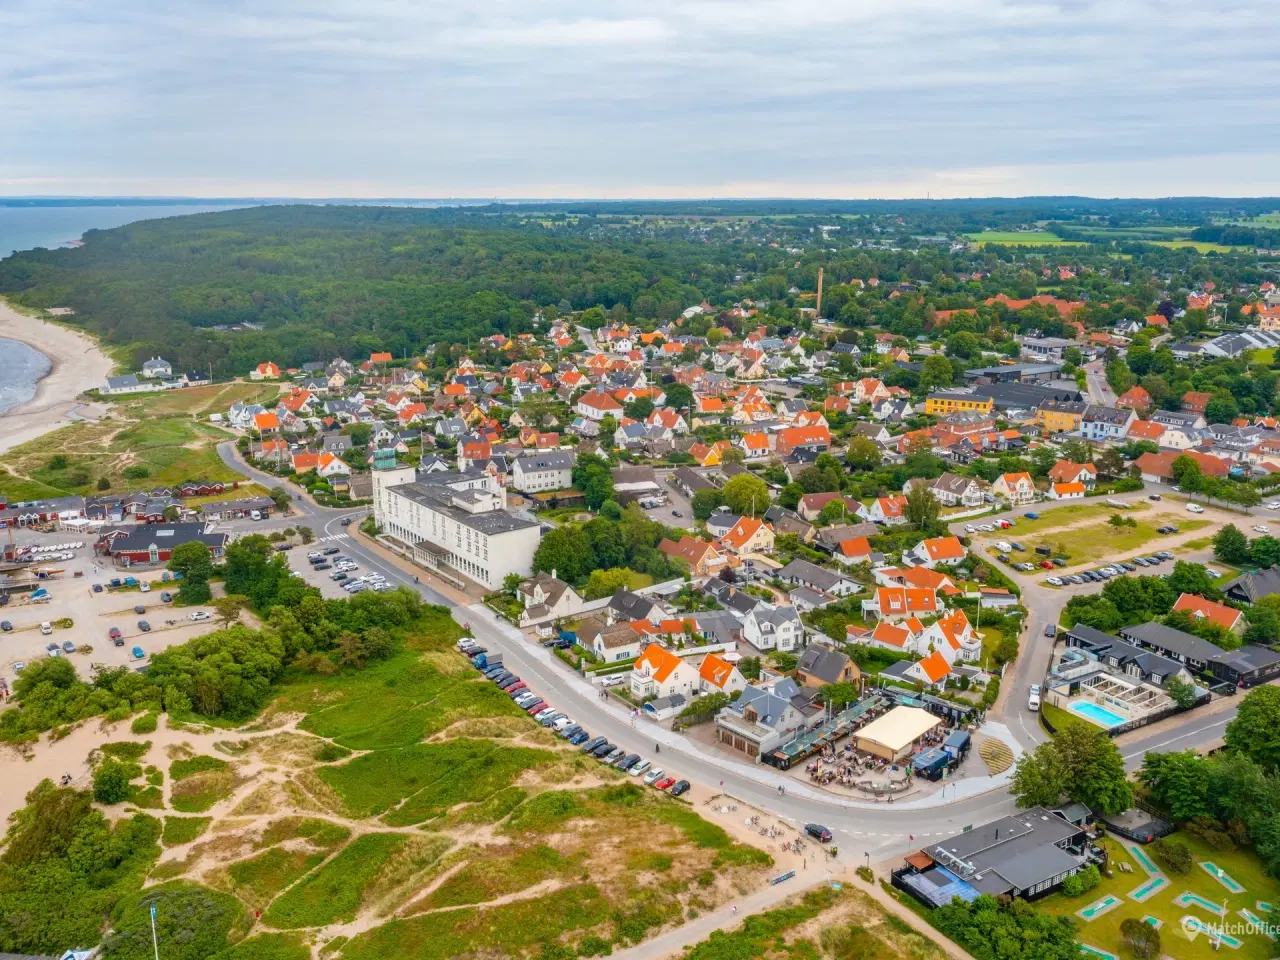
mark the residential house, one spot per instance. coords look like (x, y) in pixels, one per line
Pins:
(547, 598)
(611, 642)
(1158, 467)
(702, 556)
(754, 445)
(748, 535)
(790, 439)
(1066, 491)
(821, 664)
(542, 472)
(761, 719)
(807, 574)
(658, 672)
(1064, 471)
(626, 605)
(954, 637)
(157, 367)
(1060, 416)
(1015, 487)
(952, 490)
(811, 505)
(936, 552)
(1198, 608)
(932, 670)
(717, 675)
(944, 402)
(768, 627)
(265, 371)
(900, 603)
(1135, 398)
(1102, 424)
(596, 405)
(885, 510)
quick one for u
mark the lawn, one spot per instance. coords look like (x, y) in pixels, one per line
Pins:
(1037, 238)
(1052, 517)
(1104, 931)
(1098, 541)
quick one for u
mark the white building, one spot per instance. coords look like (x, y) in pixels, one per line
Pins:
(457, 520)
(541, 472)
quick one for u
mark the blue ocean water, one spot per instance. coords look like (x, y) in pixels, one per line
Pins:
(21, 368)
(24, 228)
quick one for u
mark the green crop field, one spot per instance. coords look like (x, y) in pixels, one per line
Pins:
(1038, 238)
(1199, 246)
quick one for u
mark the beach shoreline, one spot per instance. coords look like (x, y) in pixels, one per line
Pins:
(76, 364)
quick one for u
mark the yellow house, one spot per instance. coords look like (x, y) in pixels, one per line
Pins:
(955, 401)
(1060, 417)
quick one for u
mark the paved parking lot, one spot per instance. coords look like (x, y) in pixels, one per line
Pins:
(676, 501)
(323, 579)
(92, 614)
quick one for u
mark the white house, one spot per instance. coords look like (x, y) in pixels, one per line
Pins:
(596, 405)
(936, 552)
(547, 598)
(1015, 487)
(660, 673)
(541, 472)
(885, 510)
(773, 628)
(157, 367)
(717, 675)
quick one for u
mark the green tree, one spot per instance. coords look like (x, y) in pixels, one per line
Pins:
(608, 427)
(1081, 762)
(936, 372)
(1255, 731)
(1142, 939)
(839, 695)
(360, 433)
(863, 452)
(1186, 472)
(790, 495)
(1221, 409)
(1180, 692)
(1038, 778)
(281, 497)
(605, 583)
(704, 503)
(679, 397)
(193, 560)
(593, 318)
(1191, 578)
(1178, 781)
(922, 507)
(1231, 546)
(566, 552)
(592, 477)
(747, 494)
(639, 409)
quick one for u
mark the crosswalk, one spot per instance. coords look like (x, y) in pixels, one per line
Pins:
(336, 536)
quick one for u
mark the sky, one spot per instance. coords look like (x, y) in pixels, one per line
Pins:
(606, 99)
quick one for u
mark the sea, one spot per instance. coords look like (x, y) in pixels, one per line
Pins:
(28, 227)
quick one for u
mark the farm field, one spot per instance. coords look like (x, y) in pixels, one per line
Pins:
(411, 810)
(1097, 541)
(1104, 931)
(1199, 246)
(1038, 238)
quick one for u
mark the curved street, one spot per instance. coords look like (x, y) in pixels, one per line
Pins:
(875, 831)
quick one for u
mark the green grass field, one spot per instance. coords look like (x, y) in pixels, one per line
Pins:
(180, 830)
(196, 401)
(1199, 246)
(334, 892)
(1104, 932)
(1053, 517)
(1038, 238)
(1097, 541)
(15, 489)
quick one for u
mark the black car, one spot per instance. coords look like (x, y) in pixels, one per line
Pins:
(330, 551)
(603, 749)
(323, 566)
(1003, 558)
(627, 762)
(818, 832)
(282, 547)
(508, 684)
(6, 626)
(1059, 562)
(1128, 566)
(680, 787)
(570, 730)
(592, 743)
(139, 609)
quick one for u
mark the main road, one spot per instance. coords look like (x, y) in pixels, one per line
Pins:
(876, 831)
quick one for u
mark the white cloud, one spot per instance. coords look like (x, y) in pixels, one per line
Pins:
(623, 98)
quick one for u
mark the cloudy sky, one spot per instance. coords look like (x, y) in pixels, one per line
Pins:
(598, 98)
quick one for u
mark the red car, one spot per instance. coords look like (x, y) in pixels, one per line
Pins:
(1046, 564)
(537, 707)
(518, 685)
(664, 783)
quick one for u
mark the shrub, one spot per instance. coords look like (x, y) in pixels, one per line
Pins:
(864, 872)
(1140, 937)
(135, 473)
(1212, 833)
(111, 782)
(1174, 854)
(1082, 882)
(144, 724)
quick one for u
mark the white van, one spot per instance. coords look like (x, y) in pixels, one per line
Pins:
(46, 628)
(1195, 508)
(1033, 698)
(255, 514)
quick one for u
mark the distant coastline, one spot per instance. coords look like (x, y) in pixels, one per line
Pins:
(22, 367)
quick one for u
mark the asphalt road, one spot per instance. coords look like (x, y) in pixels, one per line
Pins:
(876, 830)
(1100, 391)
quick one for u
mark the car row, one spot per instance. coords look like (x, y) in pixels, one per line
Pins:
(491, 666)
(991, 527)
(1117, 569)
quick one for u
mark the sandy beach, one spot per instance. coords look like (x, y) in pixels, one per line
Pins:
(77, 364)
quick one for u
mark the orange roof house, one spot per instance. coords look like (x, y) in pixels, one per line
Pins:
(1159, 466)
(1146, 430)
(719, 675)
(1201, 609)
(265, 371)
(383, 357)
(1135, 398)
(1064, 471)
(896, 603)
(1157, 320)
(748, 535)
(938, 551)
(266, 422)
(1195, 401)
(792, 437)
(702, 557)
(659, 672)
(934, 667)
(302, 462)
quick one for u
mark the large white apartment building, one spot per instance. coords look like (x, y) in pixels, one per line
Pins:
(455, 519)
(542, 472)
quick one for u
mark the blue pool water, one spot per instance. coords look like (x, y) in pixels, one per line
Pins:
(1099, 715)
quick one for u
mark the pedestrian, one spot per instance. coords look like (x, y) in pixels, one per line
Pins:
(735, 908)
(804, 864)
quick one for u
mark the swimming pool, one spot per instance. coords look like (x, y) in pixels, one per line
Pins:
(1099, 715)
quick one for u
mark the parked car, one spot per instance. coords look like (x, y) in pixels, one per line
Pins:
(68, 646)
(46, 628)
(1054, 581)
(330, 551)
(1140, 561)
(114, 633)
(144, 587)
(1059, 562)
(653, 776)
(680, 787)
(1046, 564)
(627, 762)
(602, 750)
(137, 653)
(1050, 630)
(1019, 547)
(818, 832)
(592, 743)
(1153, 496)
(1195, 508)
(1261, 528)
(200, 615)
(166, 596)
(139, 609)
(6, 626)
(639, 768)
(1033, 697)
(580, 737)
(615, 755)
(663, 783)
(97, 588)
(144, 626)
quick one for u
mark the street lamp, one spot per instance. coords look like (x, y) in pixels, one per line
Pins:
(867, 854)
